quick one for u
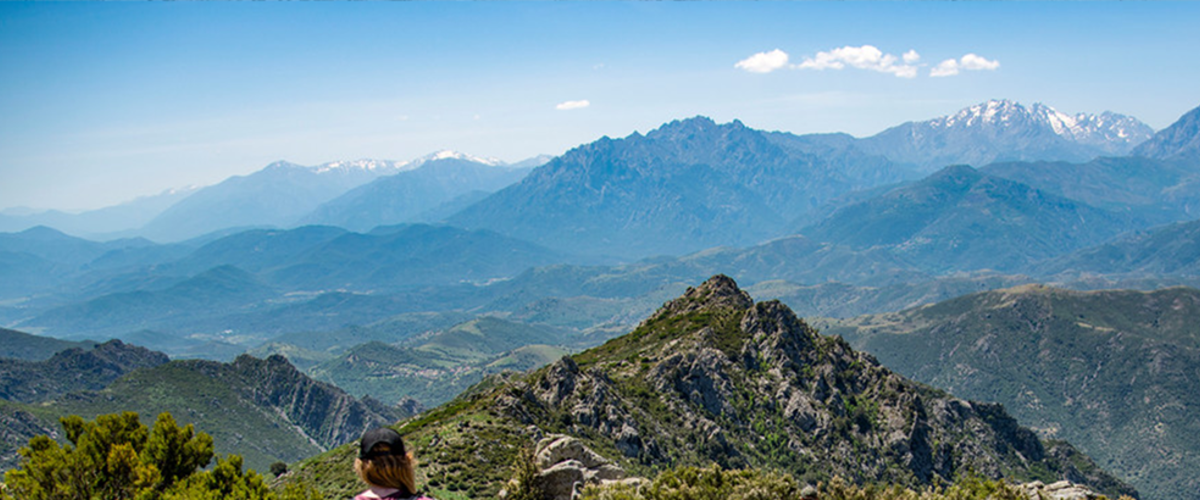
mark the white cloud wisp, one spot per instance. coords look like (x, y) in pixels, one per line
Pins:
(569, 105)
(866, 57)
(764, 62)
(969, 62)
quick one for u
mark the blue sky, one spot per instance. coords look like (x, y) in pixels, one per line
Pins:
(100, 103)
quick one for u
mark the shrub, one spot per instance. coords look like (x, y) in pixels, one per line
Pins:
(115, 457)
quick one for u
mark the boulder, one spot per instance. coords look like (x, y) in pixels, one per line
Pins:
(566, 466)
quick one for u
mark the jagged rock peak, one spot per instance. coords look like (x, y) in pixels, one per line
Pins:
(719, 292)
(678, 129)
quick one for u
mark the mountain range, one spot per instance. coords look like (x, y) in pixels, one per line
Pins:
(417, 195)
(576, 251)
(102, 223)
(771, 167)
(688, 185)
(286, 195)
(277, 195)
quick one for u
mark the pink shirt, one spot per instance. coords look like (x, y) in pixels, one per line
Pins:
(376, 493)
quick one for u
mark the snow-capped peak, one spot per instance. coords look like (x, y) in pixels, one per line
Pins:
(374, 166)
(993, 111)
(447, 154)
(1081, 127)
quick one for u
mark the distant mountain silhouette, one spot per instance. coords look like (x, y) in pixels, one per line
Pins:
(688, 185)
(407, 195)
(961, 219)
(1002, 130)
(1180, 141)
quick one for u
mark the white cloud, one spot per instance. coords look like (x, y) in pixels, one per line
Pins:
(970, 62)
(867, 57)
(974, 62)
(949, 67)
(569, 105)
(764, 62)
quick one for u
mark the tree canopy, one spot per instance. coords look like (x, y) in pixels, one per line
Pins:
(116, 457)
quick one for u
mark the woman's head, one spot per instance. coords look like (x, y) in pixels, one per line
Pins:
(382, 461)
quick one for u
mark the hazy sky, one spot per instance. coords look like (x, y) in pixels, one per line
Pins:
(102, 102)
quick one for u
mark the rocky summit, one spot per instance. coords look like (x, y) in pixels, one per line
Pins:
(714, 377)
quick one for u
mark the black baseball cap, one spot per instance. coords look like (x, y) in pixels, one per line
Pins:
(378, 436)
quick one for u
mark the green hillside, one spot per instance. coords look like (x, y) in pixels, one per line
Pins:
(264, 410)
(1114, 372)
(714, 378)
(1172, 250)
(960, 219)
(23, 346)
(435, 367)
(72, 370)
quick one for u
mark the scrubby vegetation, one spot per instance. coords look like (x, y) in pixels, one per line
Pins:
(714, 483)
(115, 457)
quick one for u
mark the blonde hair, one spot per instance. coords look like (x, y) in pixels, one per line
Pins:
(388, 471)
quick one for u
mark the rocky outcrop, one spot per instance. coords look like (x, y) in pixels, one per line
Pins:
(1061, 490)
(713, 377)
(325, 413)
(72, 370)
(565, 466)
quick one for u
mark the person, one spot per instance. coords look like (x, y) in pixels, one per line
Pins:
(386, 467)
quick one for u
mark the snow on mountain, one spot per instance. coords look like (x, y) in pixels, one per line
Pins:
(382, 167)
(1004, 130)
(1084, 128)
(447, 154)
(388, 167)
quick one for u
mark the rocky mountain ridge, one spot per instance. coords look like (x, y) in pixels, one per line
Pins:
(687, 185)
(73, 370)
(713, 377)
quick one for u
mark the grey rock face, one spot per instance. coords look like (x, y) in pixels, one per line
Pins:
(567, 466)
(1061, 490)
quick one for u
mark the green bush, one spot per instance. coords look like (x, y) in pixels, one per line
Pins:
(115, 457)
(692, 483)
